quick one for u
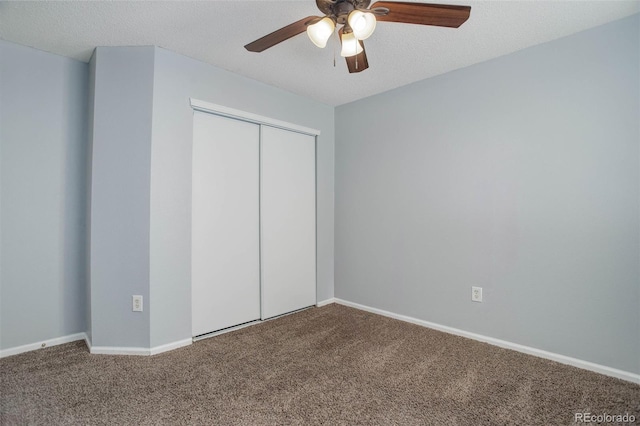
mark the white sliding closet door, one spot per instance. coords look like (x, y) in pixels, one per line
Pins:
(225, 223)
(288, 221)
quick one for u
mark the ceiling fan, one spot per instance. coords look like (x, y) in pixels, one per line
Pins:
(358, 22)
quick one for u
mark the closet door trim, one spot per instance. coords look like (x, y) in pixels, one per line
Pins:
(224, 111)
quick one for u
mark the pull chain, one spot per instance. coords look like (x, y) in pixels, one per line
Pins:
(336, 43)
(357, 55)
(334, 46)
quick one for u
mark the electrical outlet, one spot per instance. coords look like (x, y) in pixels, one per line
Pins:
(137, 303)
(476, 294)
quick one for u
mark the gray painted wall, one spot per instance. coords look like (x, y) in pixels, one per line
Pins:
(176, 79)
(519, 175)
(43, 100)
(121, 170)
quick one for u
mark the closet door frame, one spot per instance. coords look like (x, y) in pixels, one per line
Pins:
(220, 110)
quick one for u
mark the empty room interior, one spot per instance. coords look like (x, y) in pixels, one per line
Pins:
(320, 212)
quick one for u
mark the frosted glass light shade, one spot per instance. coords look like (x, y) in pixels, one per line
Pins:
(362, 24)
(350, 45)
(320, 32)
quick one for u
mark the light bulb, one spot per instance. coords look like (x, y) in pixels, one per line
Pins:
(320, 32)
(362, 24)
(350, 45)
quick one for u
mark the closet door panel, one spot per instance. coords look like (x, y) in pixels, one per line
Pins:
(225, 223)
(288, 221)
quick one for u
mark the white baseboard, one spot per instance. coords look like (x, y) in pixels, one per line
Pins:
(170, 346)
(326, 302)
(42, 344)
(87, 341)
(115, 350)
(602, 369)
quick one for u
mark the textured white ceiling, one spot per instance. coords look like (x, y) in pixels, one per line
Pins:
(216, 31)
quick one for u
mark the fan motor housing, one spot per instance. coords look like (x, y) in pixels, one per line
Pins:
(340, 9)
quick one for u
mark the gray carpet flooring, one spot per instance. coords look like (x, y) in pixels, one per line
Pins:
(331, 365)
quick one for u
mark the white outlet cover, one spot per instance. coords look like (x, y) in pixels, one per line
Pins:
(136, 302)
(476, 294)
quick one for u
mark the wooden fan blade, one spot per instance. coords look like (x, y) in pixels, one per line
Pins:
(358, 63)
(440, 15)
(355, 63)
(281, 35)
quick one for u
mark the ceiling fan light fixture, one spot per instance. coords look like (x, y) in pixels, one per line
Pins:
(350, 45)
(362, 23)
(358, 19)
(320, 32)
